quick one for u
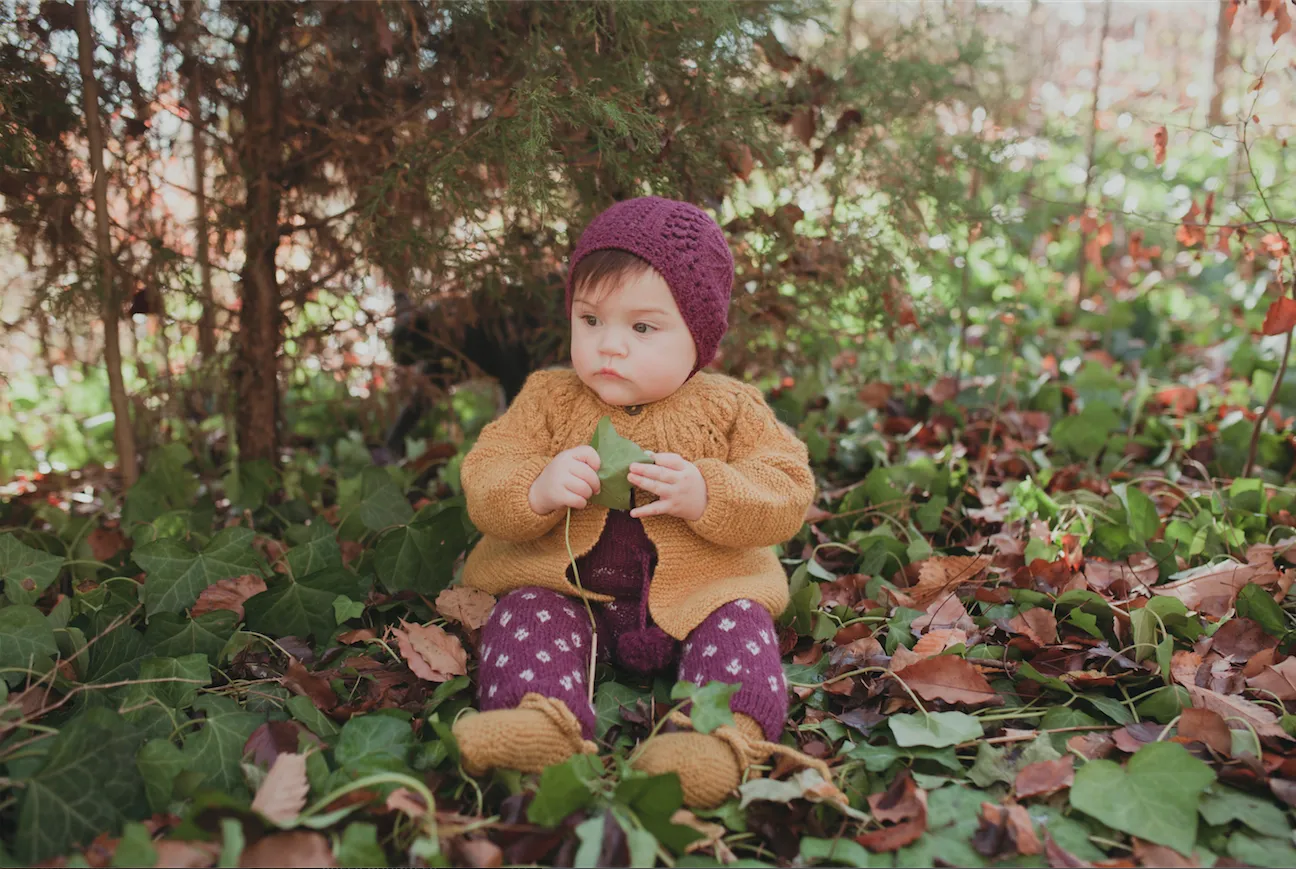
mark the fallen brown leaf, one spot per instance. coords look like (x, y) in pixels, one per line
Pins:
(104, 543)
(282, 794)
(946, 612)
(1277, 679)
(228, 594)
(298, 848)
(470, 607)
(1038, 624)
(1231, 706)
(941, 575)
(903, 803)
(1149, 854)
(934, 642)
(1206, 727)
(177, 854)
(430, 652)
(299, 680)
(359, 635)
(481, 852)
(1138, 574)
(1092, 746)
(1213, 589)
(406, 801)
(951, 679)
(1018, 824)
(1045, 777)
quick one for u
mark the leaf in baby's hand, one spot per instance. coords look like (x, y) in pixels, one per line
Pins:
(616, 454)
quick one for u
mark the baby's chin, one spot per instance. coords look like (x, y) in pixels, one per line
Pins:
(619, 393)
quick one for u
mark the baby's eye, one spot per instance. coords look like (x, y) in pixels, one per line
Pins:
(642, 328)
(590, 320)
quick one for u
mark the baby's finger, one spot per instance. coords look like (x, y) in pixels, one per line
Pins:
(588, 474)
(674, 461)
(657, 487)
(579, 487)
(588, 455)
(656, 508)
(572, 500)
(653, 472)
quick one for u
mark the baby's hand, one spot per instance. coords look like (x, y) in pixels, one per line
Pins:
(677, 483)
(567, 481)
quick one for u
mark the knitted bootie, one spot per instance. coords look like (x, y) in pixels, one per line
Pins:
(710, 765)
(540, 732)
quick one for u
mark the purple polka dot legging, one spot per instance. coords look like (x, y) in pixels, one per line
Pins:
(539, 640)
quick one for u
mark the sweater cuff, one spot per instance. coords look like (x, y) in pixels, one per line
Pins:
(715, 523)
(513, 518)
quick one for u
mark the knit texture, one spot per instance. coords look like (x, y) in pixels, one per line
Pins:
(541, 732)
(738, 643)
(758, 478)
(685, 245)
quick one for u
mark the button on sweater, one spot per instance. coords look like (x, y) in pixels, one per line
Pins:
(757, 473)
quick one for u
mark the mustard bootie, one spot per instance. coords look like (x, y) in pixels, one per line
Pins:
(710, 765)
(540, 732)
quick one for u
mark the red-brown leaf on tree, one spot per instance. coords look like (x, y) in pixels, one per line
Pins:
(1275, 245)
(1045, 777)
(1159, 140)
(1038, 624)
(298, 848)
(1206, 727)
(1282, 18)
(1230, 12)
(803, 124)
(299, 680)
(903, 804)
(228, 594)
(470, 607)
(951, 679)
(1281, 316)
(739, 158)
(430, 652)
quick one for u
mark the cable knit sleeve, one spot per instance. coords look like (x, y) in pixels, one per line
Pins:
(758, 497)
(507, 458)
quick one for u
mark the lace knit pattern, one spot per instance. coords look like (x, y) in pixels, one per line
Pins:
(759, 485)
(685, 245)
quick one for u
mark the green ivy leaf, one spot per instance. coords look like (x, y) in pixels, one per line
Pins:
(382, 503)
(1261, 851)
(1222, 804)
(1140, 511)
(710, 706)
(173, 635)
(88, 784)
(374, 738)
(216, 749)
(609, 699)
(177, 574)
(26, 639)
(301, 608)
(1253, 602)
(135, 848)
(26, 572)
(190, 672)
(321, 550)
(359, 847)
(420, 557)
(616, 454)
(1155, 797)
(935, 729)
(562, 791)
(159, 762)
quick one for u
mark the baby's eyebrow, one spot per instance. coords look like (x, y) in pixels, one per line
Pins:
(647, 311)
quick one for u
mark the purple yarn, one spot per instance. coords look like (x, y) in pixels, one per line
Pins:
(686, 247)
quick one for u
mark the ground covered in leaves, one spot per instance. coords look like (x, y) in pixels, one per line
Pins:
(1026, 629)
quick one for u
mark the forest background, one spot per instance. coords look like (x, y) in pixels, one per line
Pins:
(1019, 274)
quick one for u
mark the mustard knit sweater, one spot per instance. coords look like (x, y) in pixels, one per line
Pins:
(758, 478)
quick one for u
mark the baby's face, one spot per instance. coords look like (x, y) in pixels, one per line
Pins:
(631, 346)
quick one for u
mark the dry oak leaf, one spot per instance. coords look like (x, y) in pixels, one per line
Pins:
(1037, 624)
(951, 679)
(228, 594)
(406, 801)
(1045, 777)
(470, 607)
(903, 658)
(941, 575)
(298, 848)
(1281, 316)
(934, 642)
(299, 680)
(430, 652)
(1208, 728)
(1213, 588)
(282, 794)
(1277, 679)
(1149, 854)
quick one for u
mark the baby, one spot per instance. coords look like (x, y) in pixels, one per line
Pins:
(688, 574)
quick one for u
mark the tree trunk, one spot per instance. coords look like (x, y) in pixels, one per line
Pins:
(193, 100)
(256, 367)
(1091, 147)
(123, 433)
(1215, 115)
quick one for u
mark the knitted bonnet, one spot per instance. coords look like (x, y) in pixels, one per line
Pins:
(686, 247)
